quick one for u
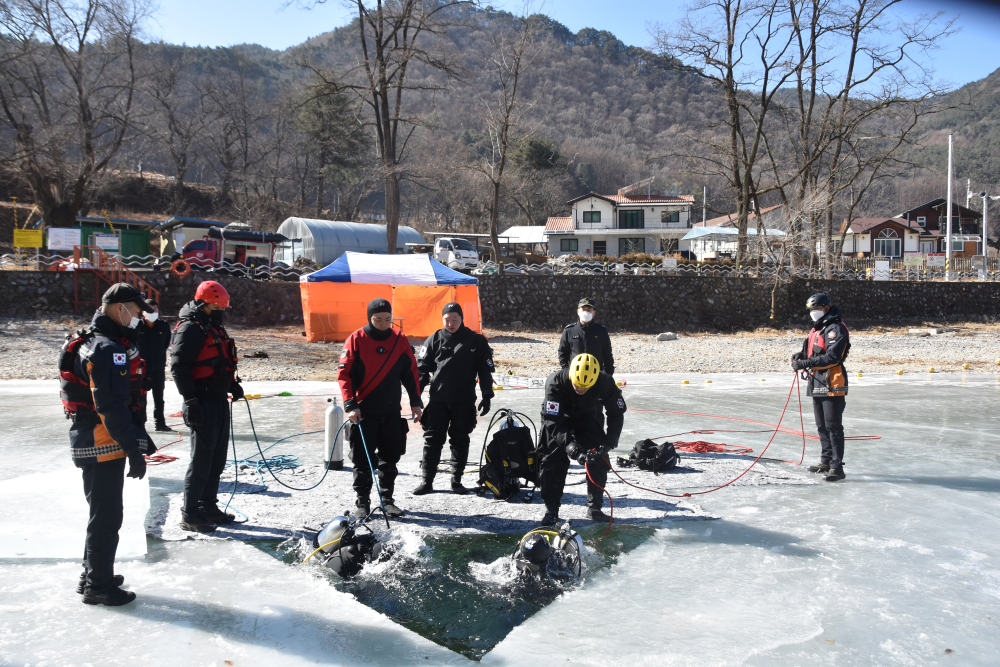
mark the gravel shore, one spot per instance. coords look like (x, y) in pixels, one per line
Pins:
(29, 349)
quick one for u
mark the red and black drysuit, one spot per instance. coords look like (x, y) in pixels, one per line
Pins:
(100, 384)
(822, 359)
(572, 425)
(203, 365)
(373, 363)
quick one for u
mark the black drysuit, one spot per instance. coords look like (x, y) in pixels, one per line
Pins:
(153, 340)
(450, 363)
(571, 425)
(822, 357)
(591, 338)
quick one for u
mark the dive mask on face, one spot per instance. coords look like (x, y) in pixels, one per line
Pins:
(816, 315)
(585, 315)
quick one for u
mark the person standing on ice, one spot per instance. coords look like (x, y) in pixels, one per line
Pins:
(153, 342)
(822, 360)
(374, 361)
(454, 355)
(573, 428)
(203, 364)
(586, 337)
(101, 387)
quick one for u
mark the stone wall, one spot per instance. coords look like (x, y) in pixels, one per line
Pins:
(38, 293)
(659, 303)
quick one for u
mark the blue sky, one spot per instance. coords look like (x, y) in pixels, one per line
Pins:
(970, 55)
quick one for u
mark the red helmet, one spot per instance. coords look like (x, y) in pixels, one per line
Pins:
(212, 292)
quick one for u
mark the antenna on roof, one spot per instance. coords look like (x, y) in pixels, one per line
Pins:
(648, 182)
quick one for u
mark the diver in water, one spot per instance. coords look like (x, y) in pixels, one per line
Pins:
(345, 551)
(549, 551)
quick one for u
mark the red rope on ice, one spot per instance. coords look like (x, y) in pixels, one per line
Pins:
(160, 459)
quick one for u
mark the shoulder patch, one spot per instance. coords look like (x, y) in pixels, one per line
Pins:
(423, 352)
(832, 334)
(118, 358)
(489, 362)
(621, 403)
(552, 408)
(343, 353)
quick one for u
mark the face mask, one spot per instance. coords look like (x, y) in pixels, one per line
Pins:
(152, 317)
(216, 317)
(816, 315)
(585, 315)
(133, 321)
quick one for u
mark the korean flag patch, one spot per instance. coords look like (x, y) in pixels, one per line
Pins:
(423, 352)
(552, 408)
(118, 358)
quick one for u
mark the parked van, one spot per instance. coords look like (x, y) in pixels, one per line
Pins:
(456, 254)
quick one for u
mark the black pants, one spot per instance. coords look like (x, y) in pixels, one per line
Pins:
(829, 413)
(555, 463)
(454, 421)
(209, 450)
(103, 484)
(157, 391)
(383, 434)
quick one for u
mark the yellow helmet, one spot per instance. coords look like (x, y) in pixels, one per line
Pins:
(583, 370)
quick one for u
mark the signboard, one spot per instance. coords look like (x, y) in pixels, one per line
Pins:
(670, 263)
(935, 259)
(28, 238)
(882, 269)
(913, 259)
(105, 241)
(61, 238)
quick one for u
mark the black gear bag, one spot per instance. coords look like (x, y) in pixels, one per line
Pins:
(647, 455)
(509, 457)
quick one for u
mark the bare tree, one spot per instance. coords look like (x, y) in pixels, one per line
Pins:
(67, 86)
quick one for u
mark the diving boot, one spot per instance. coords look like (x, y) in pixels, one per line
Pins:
(196, 523)
(214, 515)
(550, 519)
(456, 486)
(162, 427)
(426, 486)
(112, 597)
(820, 467)
(595, 514)
(835, 475)
(390, 508)
(362, 508)
(117, 581)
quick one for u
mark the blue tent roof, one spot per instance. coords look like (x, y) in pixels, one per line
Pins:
(420, 269)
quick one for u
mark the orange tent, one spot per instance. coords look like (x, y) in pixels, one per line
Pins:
(335, 299)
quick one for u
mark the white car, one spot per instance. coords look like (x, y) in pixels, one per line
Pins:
(457, 254)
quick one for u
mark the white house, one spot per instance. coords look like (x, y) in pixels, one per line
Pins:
(881, 237)
(720, 242)
(620, 224)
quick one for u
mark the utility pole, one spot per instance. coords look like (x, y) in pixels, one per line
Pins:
(947, 252)
(704, 203)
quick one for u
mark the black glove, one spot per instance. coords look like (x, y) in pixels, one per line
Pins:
(192, 414)
(136, 465)
(796, 356)
(595, 455)
(237, 391)
(484, 407)
(577, 454)
(799, 364)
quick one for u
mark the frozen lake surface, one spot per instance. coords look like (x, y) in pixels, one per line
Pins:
(893, 566)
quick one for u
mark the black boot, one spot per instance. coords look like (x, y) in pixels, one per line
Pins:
(595, 514)
(362, 508)
(162, 427)
(196, 523)
(820, 467)
(117, 580)
(112, 597)
(835, 475)
(426, 486)
(214, 515)
(390, 507)
(550, 518)
(456, 486)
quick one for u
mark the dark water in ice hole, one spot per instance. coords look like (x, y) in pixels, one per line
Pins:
(437, 595)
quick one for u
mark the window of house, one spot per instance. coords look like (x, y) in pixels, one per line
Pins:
(600, 248)
(922, 220)
(957, 245)
(629, 246)
(569, 245)
(630, 219)
(888, 244)
(591, 216)
(670, 216)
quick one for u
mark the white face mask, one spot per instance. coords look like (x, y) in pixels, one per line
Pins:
(151, 317)
(585, 315)
(133, 321)
(816, 315)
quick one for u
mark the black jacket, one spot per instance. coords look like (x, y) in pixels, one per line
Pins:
(591, 338)
(825, 365)
(153, 342)
(186, 343)
(569, 419)
(455, 360)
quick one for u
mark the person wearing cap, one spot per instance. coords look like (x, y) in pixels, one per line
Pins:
(821, 362)
(153, 341)
(101, 387)
(203, 364)
(374, 362)
(450, 361)
(573, 427)
(586, 337)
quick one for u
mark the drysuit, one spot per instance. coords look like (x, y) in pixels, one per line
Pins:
(153, 340)
(591, 338)
(822, 358)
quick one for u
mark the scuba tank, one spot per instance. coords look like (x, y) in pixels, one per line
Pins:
(548, 551)
(334, 437)
(346, 552)
(328, 539)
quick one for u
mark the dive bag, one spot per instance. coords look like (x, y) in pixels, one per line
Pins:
(509, 457)
(647, 455)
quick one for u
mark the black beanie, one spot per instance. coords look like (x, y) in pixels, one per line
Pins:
(452, 308)
(378, 306)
